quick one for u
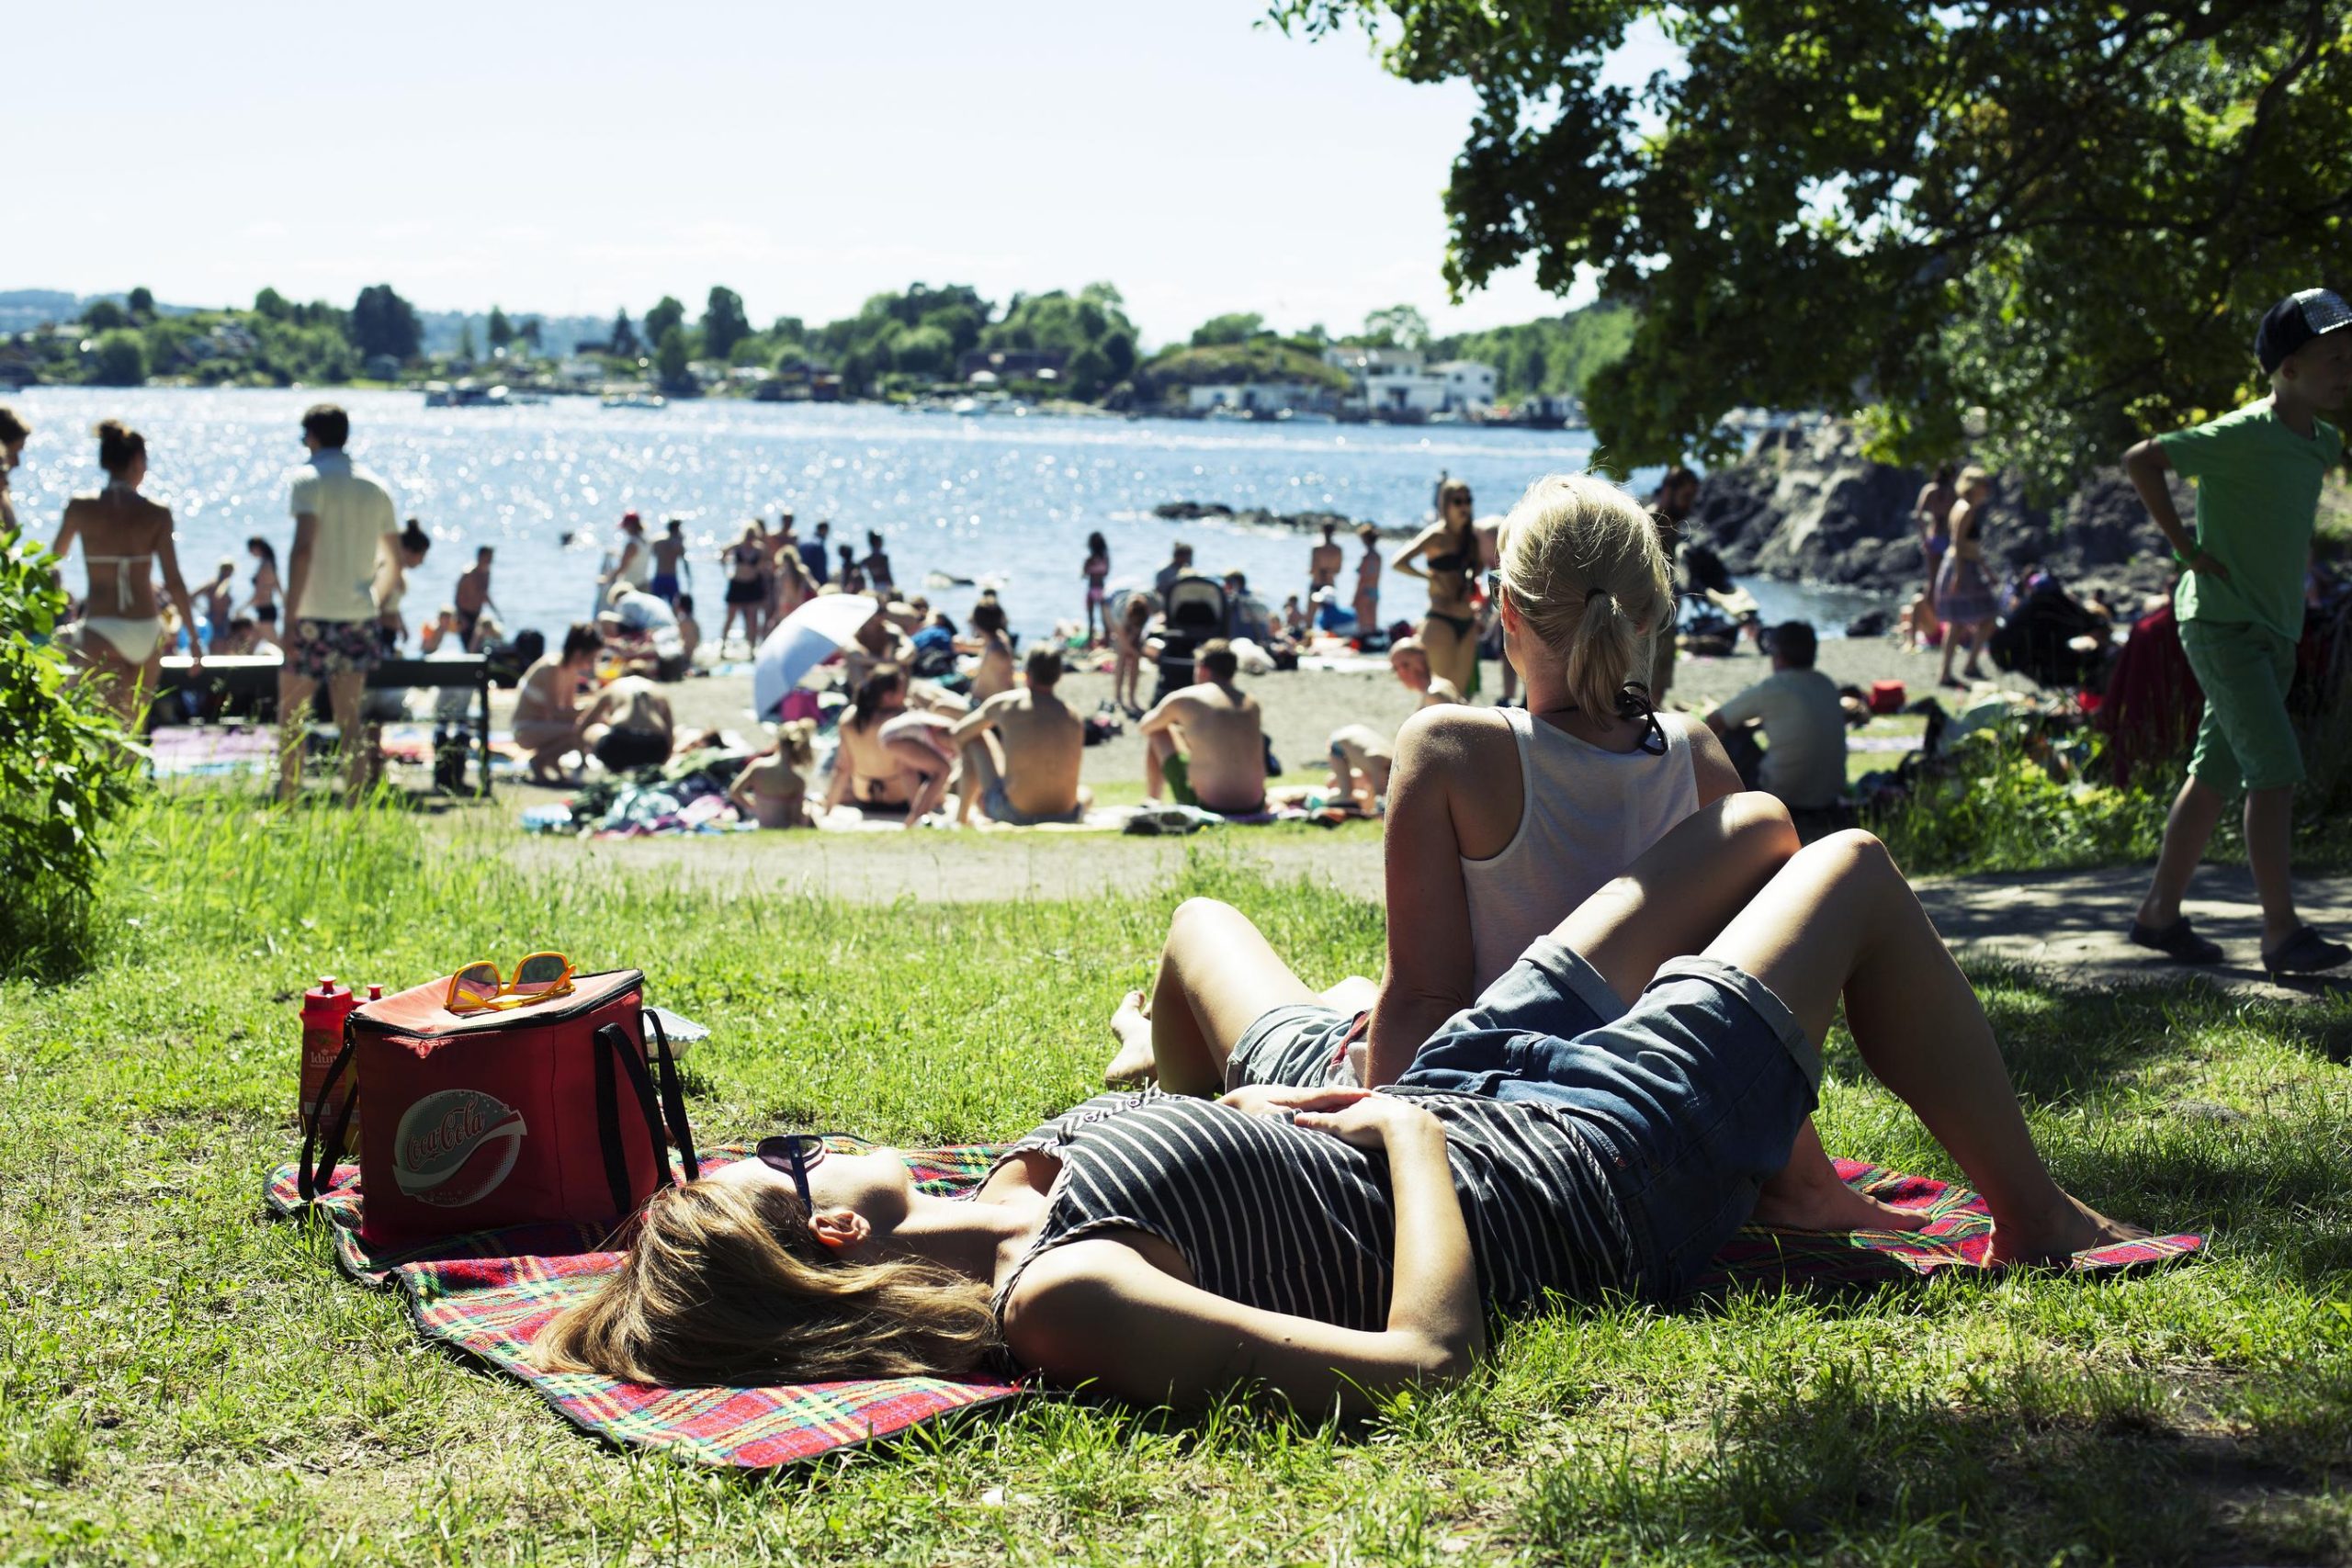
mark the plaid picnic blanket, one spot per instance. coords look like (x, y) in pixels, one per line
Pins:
(490, 1292)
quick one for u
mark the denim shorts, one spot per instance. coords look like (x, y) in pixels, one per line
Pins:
(1308, 1045)
(1692, 1098)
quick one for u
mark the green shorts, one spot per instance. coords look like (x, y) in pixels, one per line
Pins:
(2244, 737)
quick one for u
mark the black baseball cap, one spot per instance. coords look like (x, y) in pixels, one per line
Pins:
(2295, 320)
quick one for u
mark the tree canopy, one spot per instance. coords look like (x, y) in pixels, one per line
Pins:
(1089, 329)
(383, 322)
(723, 323)
(499, 330)
(669, 314)
(2068, 215)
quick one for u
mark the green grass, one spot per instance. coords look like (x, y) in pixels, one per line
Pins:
(183, 1378)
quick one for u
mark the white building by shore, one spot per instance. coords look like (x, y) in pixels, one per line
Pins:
(1398, 383)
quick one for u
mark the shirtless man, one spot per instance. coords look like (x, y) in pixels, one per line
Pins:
(670, 569)
(1043, 742)
(126, 539)
(630, 727)
(1219, 764)
(473, 597)
(1324, 561)
(548, 718)
(1410, 663)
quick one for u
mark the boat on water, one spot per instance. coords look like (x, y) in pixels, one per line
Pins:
(635, 400)
(470, 394)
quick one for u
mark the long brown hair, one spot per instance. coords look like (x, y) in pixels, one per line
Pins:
(870, 693)
(726, 1284)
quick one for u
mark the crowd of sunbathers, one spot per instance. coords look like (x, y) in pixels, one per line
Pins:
(1592, 1056)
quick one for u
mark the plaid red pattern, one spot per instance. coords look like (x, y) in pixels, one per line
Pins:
(488, 1294)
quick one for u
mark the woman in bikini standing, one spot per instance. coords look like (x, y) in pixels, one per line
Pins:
(124, 538)
(747, 589)
(1448, 549)
(1368, 599)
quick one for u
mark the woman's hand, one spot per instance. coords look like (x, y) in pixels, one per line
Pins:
(1374, 1121)
(1280, 1100)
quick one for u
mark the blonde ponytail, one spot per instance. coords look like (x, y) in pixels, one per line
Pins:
(1582, 564)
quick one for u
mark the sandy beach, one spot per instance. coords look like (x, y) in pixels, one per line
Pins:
(1302, 707)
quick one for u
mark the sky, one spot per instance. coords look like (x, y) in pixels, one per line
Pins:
(573, 159)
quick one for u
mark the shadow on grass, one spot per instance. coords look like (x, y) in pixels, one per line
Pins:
(1820, 1462)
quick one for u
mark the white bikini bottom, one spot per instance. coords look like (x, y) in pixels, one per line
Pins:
(134, 636)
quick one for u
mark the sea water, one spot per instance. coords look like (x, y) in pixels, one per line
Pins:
(997, 500)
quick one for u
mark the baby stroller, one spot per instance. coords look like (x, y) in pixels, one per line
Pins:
(1194, 613)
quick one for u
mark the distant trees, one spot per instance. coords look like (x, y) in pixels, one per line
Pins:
(105, 315)
(1398, 326)
(272, 305)
(530, 330)
(383, 322)
(141, 304)
(624, 340)
(1554, 354)
(723, 323)
(1223, 331)
(119, 358)
(499, 331)
(660, 320)
(670, 356)
(1089, 329)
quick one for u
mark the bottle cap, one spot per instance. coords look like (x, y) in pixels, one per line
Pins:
(375, 993)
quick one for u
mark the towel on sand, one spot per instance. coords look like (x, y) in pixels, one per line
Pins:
(488, 1294)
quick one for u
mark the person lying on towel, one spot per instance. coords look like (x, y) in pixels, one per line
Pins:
(1335, 1246)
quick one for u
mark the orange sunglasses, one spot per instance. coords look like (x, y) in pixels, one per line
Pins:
(537, 977)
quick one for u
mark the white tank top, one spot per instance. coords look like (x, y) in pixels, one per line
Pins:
(1585, 815)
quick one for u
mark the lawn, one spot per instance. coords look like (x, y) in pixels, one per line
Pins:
(182, 1379)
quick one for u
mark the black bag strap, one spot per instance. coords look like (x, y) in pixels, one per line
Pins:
(674, 1099)
(617, 1046)
(312, 1181)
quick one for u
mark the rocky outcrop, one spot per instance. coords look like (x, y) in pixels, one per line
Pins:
(1259, 517)
(1808, 504)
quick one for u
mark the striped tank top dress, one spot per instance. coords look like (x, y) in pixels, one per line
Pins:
(1292, 1221)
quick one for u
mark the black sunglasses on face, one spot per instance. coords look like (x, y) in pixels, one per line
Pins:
(793, 1153)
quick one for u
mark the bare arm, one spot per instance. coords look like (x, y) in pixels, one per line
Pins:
(1402, 561)
(297, 568)
(1711, 767)
(976, 723)
(1097, 1313)
(739, 794)
(168, 558)
(69, 530)
(2145, 465)
(1431, 963)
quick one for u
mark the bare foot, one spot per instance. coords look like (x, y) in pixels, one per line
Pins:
(2073, 1226)
(1822, 1202)
(1131, 1026)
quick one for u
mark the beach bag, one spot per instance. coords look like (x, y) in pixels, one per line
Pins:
(555, 1113)
(1887, 696)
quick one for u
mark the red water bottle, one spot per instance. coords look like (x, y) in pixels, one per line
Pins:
(324, 1009)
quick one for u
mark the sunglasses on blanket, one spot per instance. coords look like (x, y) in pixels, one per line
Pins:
(793, 1153)
(479, 986)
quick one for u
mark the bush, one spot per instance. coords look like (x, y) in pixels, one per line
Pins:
(2003, 804)
(65, 772)
(120, 359)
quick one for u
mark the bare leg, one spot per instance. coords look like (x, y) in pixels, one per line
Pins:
(1218, 975)
(1672, 901)
(2196, 810)
(927, 765)
(2269, 840)
(1156, 747)
(1839, 920)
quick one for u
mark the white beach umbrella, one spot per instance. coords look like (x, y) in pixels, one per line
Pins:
(801, 641)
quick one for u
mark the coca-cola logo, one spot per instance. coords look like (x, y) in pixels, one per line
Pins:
(455, 1146)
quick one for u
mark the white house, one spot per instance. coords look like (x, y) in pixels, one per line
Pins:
(1468, 384)
(1253, 397)
(1395, 383)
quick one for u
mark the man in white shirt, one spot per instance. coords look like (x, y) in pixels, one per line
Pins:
(1804, 720)
(343, 518)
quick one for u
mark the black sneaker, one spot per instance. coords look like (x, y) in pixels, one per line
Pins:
(2305, 953)
(2179, 943)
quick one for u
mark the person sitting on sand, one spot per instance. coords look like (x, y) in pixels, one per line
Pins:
(1410, 662)
(1804, 720)
(994, 672)
(1206, 744)
(630, 727)
(1361, 759)
(1335, 1248)
(773, 789)
(1043, 742)
(689, 629)
(893, 757)
(548, 717)
(440, 631)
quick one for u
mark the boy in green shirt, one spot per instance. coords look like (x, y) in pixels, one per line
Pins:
(2241, 609)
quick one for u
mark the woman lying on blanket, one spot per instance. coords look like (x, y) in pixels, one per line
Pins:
(1337, 1245)
(1500, 822)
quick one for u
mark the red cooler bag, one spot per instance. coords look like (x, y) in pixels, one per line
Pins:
(527, 1115)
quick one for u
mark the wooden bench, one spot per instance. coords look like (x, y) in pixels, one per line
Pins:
(251, 683)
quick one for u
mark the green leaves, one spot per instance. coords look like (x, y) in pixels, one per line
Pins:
(2067, 216)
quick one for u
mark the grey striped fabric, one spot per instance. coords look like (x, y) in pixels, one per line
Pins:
(1297, 1222)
